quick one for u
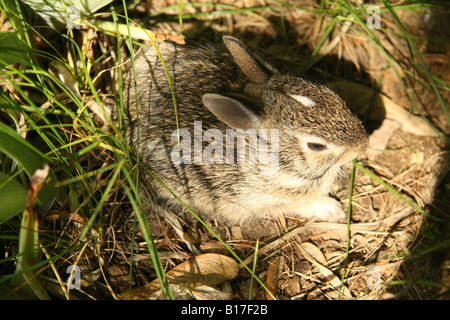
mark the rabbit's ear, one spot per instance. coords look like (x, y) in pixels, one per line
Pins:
(231, 112)
(251, 67)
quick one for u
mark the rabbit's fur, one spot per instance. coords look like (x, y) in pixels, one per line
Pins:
(225, 87)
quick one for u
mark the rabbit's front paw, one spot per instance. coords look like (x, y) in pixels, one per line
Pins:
(329, 209)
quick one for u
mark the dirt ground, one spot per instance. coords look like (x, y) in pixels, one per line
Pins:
(395, 252)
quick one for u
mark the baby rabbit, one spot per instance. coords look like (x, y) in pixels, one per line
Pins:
(232, 108)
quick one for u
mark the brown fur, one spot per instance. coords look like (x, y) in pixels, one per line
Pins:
(213, 84)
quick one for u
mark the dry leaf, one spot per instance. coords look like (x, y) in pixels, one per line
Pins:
(135, 32)
(208, 269)
(66, 77)
(65, 216)
(273, 275)
(209, 293)
(314, 252)
(316, 257)
(380, 137)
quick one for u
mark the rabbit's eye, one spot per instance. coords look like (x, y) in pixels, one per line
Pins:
(316, 146)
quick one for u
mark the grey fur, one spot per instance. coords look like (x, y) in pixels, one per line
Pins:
(208, 81)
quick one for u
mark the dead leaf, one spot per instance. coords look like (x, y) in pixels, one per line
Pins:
(209, 293)
(273, 275)
(314, 252)
(134, 31)
(236, 232)
(380, 138)
(213, 246)
(316, 257)
(208, 269)
(62, 73)
(65, 216)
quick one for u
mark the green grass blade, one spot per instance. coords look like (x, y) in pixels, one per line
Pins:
(253, 269)
(349, 218)
(180, 15)
(29, 158)
(29, 240)
(13, 196)
(412, 47)
(159, 268)
(398, 195)
(12, 49)
(105, 195)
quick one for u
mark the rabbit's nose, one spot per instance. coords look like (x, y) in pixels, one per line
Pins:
(348, 156)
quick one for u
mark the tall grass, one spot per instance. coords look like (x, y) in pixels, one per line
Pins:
(64, 130)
